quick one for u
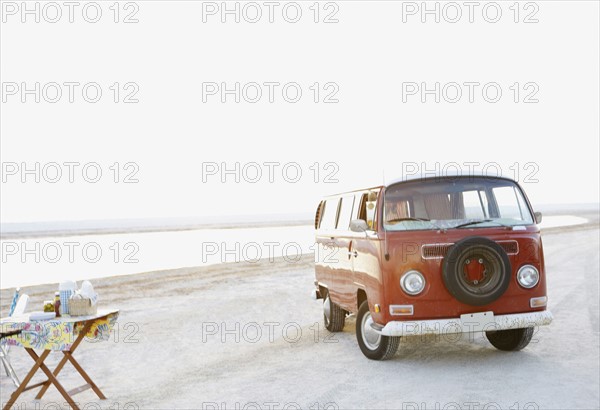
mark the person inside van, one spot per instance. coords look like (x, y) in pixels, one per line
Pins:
(395, 210)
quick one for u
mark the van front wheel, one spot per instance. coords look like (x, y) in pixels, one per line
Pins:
(510, 340)
(333, 315)
(372, 344)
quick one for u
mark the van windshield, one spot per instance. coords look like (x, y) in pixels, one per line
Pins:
(454, 203)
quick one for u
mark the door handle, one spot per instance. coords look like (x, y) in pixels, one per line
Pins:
(353, 253)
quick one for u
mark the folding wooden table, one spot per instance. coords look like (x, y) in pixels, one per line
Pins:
(63, 334)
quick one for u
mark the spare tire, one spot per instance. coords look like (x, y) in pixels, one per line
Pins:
(476, 271)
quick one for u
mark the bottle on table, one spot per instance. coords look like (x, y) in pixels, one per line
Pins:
(57, 304)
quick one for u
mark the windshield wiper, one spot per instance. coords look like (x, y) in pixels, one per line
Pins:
(408, 219)
(480, 221)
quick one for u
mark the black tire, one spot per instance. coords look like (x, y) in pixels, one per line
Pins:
(383, 348)
(490, 258)
(511, 339)
(334, 316)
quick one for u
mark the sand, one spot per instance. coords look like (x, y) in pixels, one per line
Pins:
(248, 335)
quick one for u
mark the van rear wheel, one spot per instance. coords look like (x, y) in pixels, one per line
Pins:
(334, 316)
(510, 340)
(373, 345)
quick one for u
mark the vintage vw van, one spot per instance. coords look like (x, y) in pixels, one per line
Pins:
(435, 255)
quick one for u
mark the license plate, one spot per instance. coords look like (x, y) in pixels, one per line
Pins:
(475, 322)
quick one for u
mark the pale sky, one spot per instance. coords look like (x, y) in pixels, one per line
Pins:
(370, 132)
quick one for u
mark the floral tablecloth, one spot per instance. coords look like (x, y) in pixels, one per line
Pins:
(59, 333)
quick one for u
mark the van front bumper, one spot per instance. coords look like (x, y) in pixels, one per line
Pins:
(476, 322)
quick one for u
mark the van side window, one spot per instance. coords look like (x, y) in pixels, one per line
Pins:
(319, 214)
(370, 208)
(329, 218)
(345, 212)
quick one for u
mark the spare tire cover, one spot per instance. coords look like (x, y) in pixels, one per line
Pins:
(476, 271)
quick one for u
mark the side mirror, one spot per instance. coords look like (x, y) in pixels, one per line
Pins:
(538, 217)
(358, 225)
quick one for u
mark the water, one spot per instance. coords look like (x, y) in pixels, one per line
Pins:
(54, 259)
(561, 220)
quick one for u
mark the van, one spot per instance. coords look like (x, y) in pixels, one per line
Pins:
(431, 255)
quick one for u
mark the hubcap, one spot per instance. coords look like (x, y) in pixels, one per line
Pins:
(370, 337)
(479, 271)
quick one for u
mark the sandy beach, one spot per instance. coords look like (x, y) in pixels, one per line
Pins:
(247, 335)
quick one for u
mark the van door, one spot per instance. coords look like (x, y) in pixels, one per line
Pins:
(365, 249)
(342, 289)
(326, 250)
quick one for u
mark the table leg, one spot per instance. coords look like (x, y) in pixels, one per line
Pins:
(38, 362)
(52, 376)
(85, 376)
(46, 385)
(64, 360)
(52, 379)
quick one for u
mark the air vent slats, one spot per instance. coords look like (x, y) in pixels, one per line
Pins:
(439, 250)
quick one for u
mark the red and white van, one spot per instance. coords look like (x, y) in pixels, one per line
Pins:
(434, 255)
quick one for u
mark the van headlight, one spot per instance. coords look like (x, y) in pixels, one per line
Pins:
(412, 282)
(528, 276)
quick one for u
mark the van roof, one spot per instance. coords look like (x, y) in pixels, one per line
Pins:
(416, 177)
(449, 174)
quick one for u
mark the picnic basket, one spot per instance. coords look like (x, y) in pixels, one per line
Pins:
(82, 307)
